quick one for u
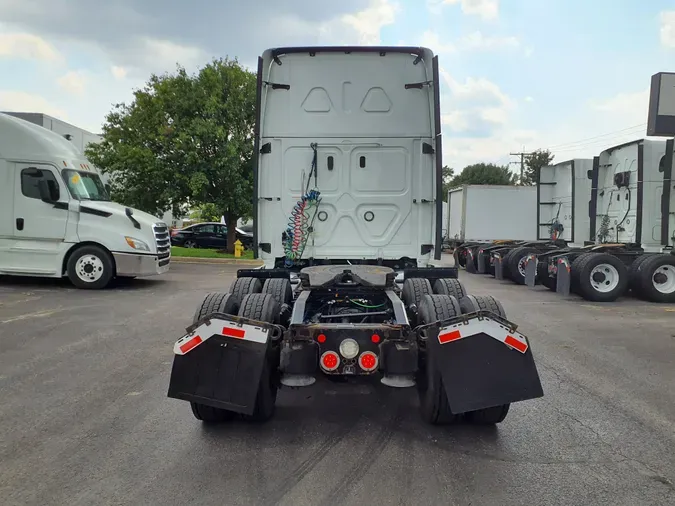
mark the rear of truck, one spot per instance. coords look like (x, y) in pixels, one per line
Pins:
(348, 218)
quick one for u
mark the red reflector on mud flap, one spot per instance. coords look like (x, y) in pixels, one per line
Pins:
(447, 337)
(195, 341)
(515, 343)
(236, 333)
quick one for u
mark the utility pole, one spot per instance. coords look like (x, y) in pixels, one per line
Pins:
(522, 156)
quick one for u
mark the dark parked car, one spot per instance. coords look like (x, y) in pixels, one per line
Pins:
(208, 235)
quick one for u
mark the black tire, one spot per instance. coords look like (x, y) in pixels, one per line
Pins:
(489, 416)
(470, 304)
(544, 278)
(648, 278)
(90, 267)
(263, 307)
(216, 303)
(280, 289)
(208, 414)
(588, 264)
(213, 303)
(434, 406)
(473, 303)
(459, 256)
(574, 272)
(414, 289)
(516, 257)
(190, 243)
(241, 287)
(633, 275)
(449, 286)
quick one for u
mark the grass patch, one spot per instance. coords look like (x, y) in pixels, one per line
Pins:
(177, 251)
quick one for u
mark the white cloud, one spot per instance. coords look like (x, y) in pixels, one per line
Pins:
(73, 82)
(630, 107)
(433, 41)
(369, 22)
(529, 99)
(20, 101)
(118, 72)
(26, 46)
(477, 90)
(485, 9)
(160, 55)
(668, 28)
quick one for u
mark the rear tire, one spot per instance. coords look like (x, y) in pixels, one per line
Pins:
(472, 260)
(434, 406)
(90, 268)
(449, 286)
(489, 416)
(657, 278)
(213, 303)
(574, 272)
(602, 277)
(516, 262)
(414, 289)
(633, 275)
(241, 287)
(265, 308)
(544, 278)
(280, 289)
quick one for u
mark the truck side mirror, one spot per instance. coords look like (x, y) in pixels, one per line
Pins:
(49, 191)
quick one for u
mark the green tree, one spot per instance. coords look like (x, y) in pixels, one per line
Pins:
(484, 173)
(184, 138)
(448, 175)
(533, 163)
(206, 212)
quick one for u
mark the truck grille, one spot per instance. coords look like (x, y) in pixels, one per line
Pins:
(163, 242)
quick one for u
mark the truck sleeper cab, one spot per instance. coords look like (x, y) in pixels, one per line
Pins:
(347, 187)
(56, 218)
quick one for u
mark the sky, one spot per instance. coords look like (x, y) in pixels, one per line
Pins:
(571, 76)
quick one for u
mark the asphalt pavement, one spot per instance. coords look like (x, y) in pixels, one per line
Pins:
(85, 420)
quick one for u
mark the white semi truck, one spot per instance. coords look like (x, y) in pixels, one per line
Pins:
(56, 218)
(348, 195)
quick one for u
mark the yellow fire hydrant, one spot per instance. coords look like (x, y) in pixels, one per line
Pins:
(238, 248)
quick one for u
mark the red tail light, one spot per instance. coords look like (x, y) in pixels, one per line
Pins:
(330, 361)
(368, 361)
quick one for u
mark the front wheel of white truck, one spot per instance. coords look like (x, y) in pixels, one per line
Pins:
(90, 267)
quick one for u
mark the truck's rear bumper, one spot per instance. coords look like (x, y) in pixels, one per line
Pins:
(128, 264)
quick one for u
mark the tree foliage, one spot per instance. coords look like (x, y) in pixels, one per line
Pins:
(533, 163)
(206, 212)
(484, 173)
(448, 176)
(184, 139)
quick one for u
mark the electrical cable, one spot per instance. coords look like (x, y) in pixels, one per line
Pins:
(564, 144)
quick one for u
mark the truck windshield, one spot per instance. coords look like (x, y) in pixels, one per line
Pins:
(85, 185)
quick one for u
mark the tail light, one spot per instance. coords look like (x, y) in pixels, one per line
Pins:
(368, 361)
(330, 361)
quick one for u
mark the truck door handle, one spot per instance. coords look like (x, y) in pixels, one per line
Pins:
(19, 223)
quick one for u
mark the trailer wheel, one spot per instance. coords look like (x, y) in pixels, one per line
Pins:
(602, 277)
(90, 267)
(506, 259)
(657, 278)
(489, 416)
(574, 272)
(434, 406)
(544, 278)
(414, 289)
(265, 308)
(449, 286)
(216, 303)
(241, 287)
(208, 414)
(459, 256)
(280, 289)
(634, 274)
(473, 303)
(516, 263)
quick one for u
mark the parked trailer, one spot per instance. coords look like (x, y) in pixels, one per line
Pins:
(378, 213)
(482, 215)
(632, 226)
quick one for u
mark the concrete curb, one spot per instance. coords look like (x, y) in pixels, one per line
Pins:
(215, 261)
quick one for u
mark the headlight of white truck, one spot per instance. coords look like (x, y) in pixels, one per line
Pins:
(137, 244)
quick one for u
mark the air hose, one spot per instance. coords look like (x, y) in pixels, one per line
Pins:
(299, 224)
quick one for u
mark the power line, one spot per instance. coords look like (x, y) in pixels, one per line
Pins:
(564, 144)
(610, 140)
(522, 162)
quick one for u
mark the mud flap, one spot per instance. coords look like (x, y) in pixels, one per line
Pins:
(481, 261)
(531, 270)
(563, 277)
(220, 361)
(483, 362)
(499, 267)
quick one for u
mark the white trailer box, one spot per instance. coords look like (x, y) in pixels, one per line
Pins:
(628, 201)
(484, 213)
(563, 200)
